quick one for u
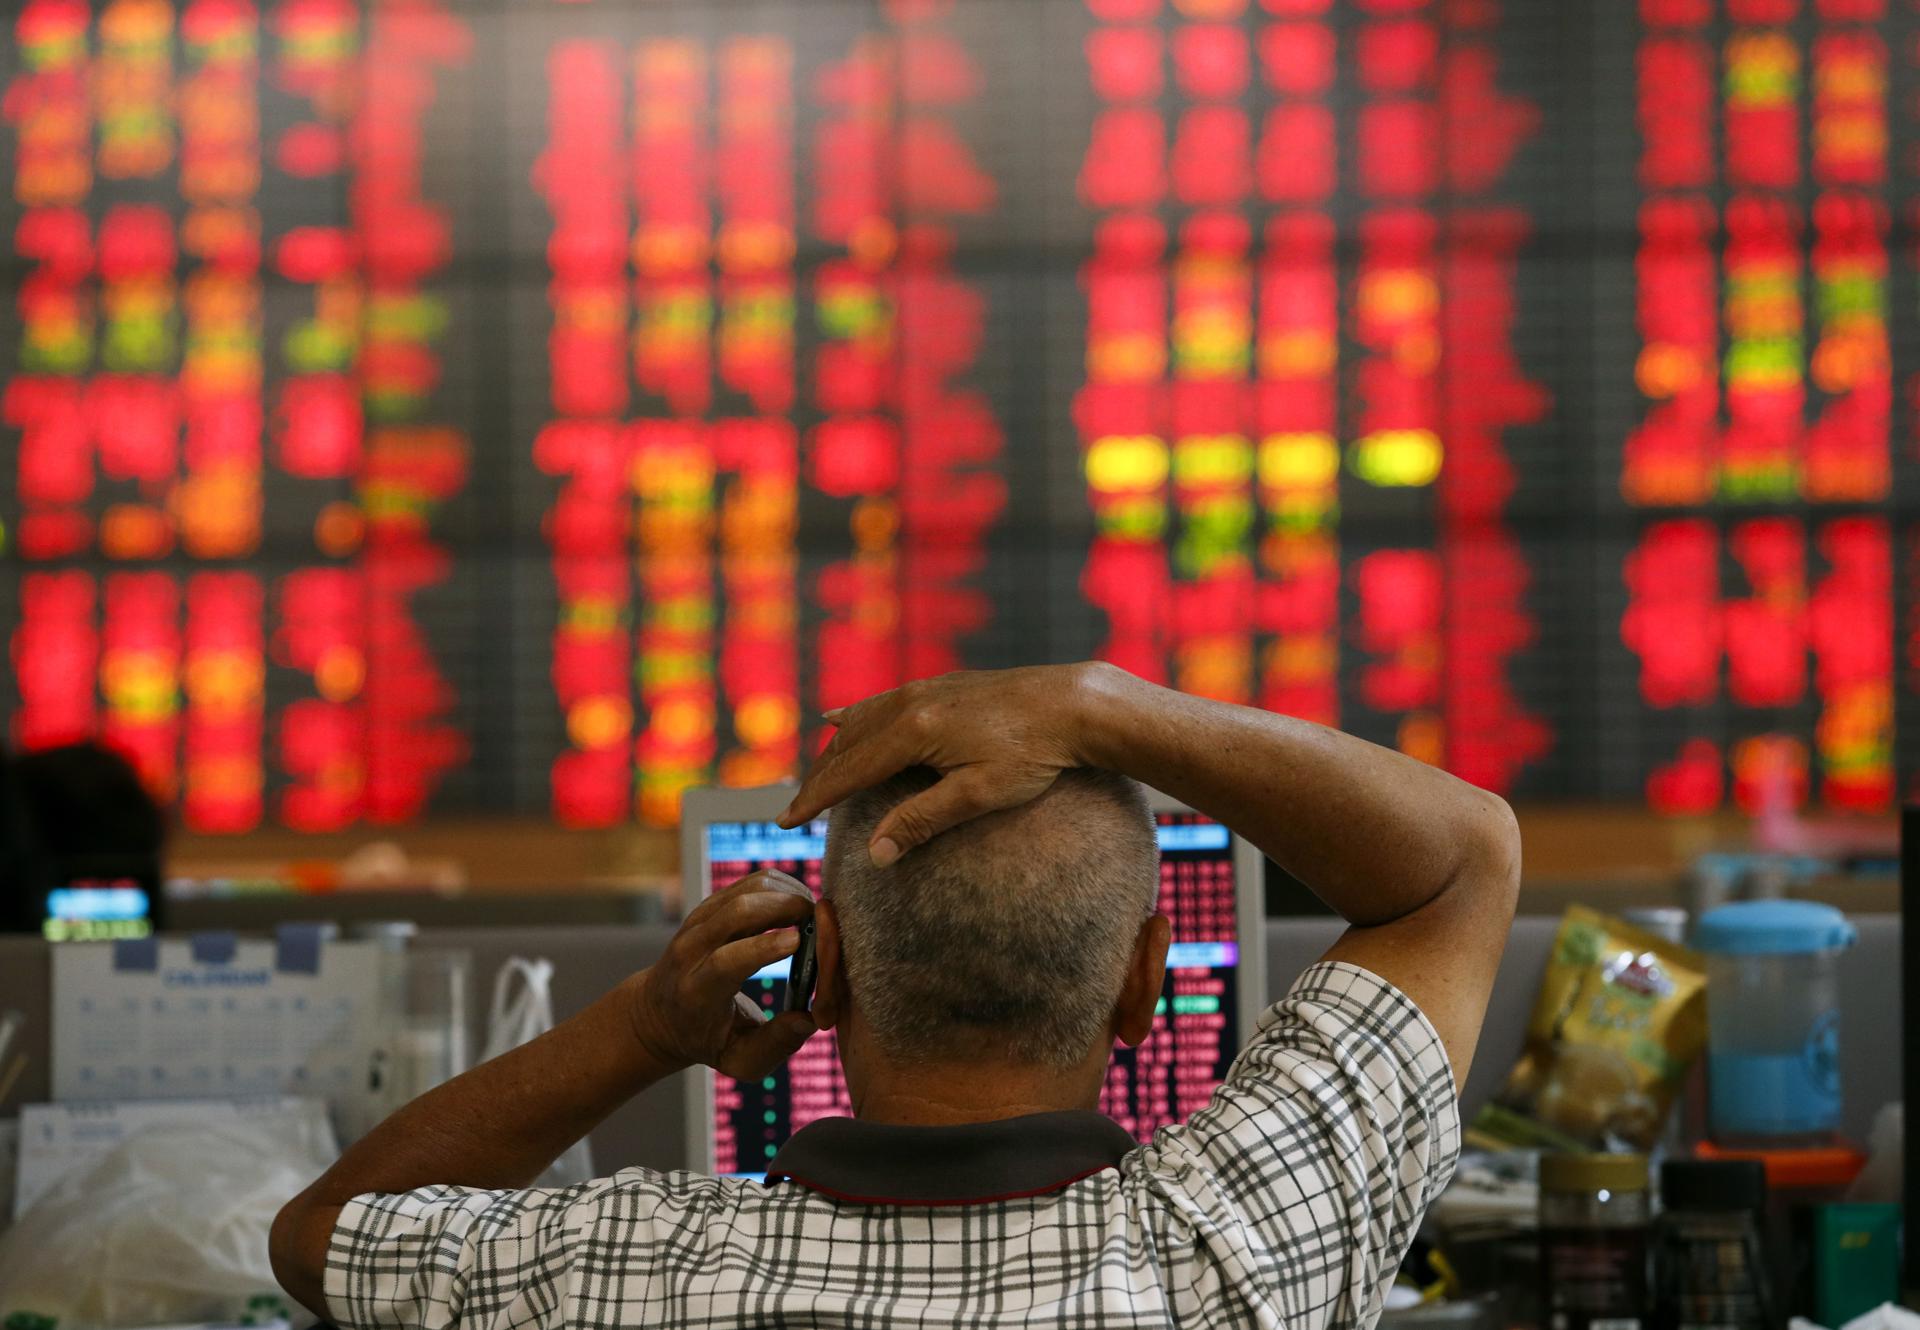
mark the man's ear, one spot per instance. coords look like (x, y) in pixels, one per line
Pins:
(1146, 973)
(830, 979)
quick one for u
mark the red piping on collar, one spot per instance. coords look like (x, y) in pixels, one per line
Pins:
(1061, 1185)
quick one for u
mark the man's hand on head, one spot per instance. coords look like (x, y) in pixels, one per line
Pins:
(687, 1007)
(998, 738)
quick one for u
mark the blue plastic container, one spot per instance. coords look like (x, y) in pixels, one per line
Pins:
(1773, 1011)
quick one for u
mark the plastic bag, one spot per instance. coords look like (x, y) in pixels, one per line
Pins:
(1620, 1017)
(1884, 1177)
(517, 1017)
(169, 1226)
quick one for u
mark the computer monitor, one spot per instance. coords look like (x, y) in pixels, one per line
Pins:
(1210, 887)
(101, 898)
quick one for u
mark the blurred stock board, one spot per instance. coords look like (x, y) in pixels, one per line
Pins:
(524, 406)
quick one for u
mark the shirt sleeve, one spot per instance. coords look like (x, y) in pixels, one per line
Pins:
(445, 1256)
(1309, 1171)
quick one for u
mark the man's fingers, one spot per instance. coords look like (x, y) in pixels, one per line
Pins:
(855, 725)
(718, 900)
(742, 914)
(959, 795)
(700, 913)
(836, 744)
(732, 965)
(761, 879)
(858, 720)
(811, 799)
(861, 763)
(773, 879)
(758, 1052)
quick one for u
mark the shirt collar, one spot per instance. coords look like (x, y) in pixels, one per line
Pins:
(968, 1164)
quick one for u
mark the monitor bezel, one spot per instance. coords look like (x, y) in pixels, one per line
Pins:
(707, 804)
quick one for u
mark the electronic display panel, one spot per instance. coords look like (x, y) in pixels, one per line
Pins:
(93, 909)
(543, 407)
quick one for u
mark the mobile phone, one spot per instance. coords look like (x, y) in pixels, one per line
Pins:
(802, 972)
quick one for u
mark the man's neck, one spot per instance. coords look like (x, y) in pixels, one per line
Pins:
(947, 1096)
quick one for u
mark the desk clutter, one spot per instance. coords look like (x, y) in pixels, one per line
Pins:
(197, 1083)
(1606, 1187)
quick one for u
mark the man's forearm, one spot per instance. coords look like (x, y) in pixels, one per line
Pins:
(1374, 833)
(504, 1122)
(498, 1126)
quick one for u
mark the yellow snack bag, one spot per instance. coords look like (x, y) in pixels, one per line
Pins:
(1621, 1016)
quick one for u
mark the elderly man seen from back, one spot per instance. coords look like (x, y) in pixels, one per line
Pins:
(987, 933)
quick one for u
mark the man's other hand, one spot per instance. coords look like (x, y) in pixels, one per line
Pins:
(998, 738)
(688, 1008)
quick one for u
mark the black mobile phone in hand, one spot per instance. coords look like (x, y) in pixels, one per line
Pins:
(802, 972)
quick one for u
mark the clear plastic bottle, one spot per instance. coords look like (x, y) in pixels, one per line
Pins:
(1773, 1020)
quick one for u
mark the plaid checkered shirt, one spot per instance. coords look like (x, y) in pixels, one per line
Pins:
(1287, 1202)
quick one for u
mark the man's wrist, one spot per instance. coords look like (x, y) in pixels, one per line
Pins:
(653, 1058)
(1103, 697)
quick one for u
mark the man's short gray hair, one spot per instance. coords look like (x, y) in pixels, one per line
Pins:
(1005, 938)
